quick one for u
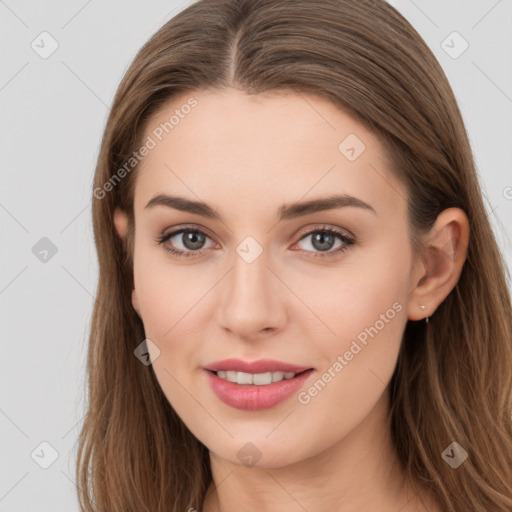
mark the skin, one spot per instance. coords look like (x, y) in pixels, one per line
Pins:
(246, 156)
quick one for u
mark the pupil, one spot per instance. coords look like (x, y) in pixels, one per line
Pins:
(320, 237)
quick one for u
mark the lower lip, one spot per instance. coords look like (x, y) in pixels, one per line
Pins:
(255, 398)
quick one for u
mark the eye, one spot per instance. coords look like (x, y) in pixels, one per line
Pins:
(324, 239)
(192, 242)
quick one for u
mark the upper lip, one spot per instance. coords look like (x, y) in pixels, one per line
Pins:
(260, 366)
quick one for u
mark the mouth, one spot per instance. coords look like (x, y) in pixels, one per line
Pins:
(255, 386)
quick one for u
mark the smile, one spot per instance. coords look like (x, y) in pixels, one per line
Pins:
(254, 386)
(256, 379)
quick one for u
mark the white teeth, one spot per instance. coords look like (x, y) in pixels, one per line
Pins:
(230, 376)
(278, 376)
(243, 378)
(260, 379)
(257, 379)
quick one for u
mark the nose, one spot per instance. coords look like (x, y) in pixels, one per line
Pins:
(253, 301)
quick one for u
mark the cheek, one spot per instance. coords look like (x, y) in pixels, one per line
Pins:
(365, 302)
(373, 311)
(365, 306)
(355, 366)
(167, 293)
(169, 302)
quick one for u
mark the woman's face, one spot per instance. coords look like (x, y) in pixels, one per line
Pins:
(321, 314)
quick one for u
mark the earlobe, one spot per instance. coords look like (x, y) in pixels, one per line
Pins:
(120, 222)
(441, 263)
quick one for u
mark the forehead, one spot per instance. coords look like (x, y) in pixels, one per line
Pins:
(272, 147)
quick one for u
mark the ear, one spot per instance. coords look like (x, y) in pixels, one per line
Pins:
(120, 222)
(440, 265)
(135, 302)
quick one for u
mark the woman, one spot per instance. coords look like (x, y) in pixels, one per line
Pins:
(301, 303)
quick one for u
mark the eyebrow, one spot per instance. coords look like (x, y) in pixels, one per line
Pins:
(285, 212)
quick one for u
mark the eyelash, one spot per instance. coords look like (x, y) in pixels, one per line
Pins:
(325, 254)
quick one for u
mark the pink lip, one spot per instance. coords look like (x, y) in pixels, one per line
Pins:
(260, 366)
(252, 397)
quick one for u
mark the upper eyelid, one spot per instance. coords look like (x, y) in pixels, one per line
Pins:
(180, 229)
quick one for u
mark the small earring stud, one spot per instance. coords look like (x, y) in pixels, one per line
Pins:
(423, 308)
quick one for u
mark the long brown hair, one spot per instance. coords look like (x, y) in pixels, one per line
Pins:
(453, 381)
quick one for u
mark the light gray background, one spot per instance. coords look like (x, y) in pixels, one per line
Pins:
(53, 112)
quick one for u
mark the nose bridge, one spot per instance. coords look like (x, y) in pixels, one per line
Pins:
(251, 301)
(250, 274)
